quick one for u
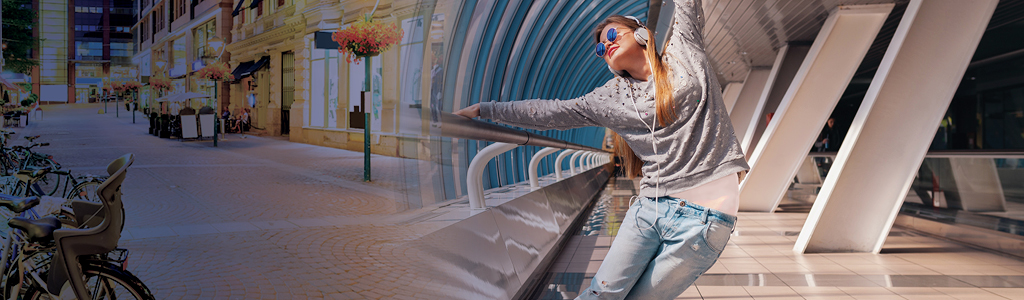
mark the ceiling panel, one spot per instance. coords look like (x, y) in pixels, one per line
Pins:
(740, 34)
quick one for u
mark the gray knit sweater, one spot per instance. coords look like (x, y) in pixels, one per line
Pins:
(698, 147)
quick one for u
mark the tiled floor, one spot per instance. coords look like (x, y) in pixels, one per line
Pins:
(759, 263)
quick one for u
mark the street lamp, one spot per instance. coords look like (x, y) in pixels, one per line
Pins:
(132, 73)
(216, 45)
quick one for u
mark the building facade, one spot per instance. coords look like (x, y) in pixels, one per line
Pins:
(82, 42)
(305, 88)
(174, 38)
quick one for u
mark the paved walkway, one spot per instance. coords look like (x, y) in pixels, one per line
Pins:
(263, 218)
(759, 262)
(256, 217)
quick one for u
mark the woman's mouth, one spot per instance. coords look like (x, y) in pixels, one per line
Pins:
(612, 50)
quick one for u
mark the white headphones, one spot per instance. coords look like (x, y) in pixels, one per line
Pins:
(641, 35)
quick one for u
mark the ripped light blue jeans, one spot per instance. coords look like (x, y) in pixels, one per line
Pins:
(663, 245)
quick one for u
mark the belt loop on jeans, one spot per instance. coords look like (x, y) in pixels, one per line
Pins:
(707, 213)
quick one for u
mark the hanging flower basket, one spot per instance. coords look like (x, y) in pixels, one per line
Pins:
(216, 72)
(367, 38)
(117, 86)
(132, 86)
(160, 83)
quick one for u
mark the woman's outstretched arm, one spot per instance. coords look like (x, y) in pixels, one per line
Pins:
(543, 114)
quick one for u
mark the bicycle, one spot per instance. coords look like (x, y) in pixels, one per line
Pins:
(49, 183)
(86, 257)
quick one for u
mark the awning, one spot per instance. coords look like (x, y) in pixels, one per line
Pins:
(255, 3)
(238, 8)
(259, 64)
(241, 68)
(323, 40)
(10, 85)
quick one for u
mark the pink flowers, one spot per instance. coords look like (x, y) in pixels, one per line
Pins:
(131, 86)
(160, 83)
(367, 38)
(216, 71)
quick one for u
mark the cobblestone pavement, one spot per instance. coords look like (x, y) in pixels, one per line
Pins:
(255, 218)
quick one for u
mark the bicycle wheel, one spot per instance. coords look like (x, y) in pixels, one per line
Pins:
(49, 184)
(85, 191)
(104, 282)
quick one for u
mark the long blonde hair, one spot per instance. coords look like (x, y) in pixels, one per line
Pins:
(664, 102)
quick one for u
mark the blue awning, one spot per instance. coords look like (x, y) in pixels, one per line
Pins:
(256, 66)
(241, 68)
(238, 8)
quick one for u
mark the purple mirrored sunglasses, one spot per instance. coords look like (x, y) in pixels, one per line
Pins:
(612, 34)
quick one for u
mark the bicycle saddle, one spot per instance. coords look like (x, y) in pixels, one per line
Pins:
(18, 205)
(38, 231)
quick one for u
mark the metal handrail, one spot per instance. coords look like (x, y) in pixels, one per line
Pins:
(466, 128)
(505, 140)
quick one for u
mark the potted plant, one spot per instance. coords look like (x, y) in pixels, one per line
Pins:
(367, 38)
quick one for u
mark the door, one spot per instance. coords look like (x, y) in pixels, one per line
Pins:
(287, 90)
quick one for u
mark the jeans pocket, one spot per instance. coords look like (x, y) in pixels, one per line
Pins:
(716, 234)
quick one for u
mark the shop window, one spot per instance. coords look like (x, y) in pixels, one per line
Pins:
(323, 101)
(411, 81)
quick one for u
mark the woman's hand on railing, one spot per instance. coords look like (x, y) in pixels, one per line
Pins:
(471, 111)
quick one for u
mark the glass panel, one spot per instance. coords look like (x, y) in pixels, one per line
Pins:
(413, 30)
(332, 82)
(316, 104)
(410, 120)
(356, 79)
(978, 190)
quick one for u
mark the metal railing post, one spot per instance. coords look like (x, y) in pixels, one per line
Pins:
(558, 163)
(574, 159)
(534, 183)
(474, 176)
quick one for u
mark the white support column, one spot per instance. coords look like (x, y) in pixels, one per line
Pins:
(731, 93)
(750, 102)
(894, 126)
(787, 64)
(821, 80)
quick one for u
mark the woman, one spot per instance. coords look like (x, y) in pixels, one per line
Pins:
(668, 110)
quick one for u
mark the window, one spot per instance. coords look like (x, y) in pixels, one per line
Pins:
(201, 35)
(179, 62)
(88, 50)
(323, 102)
(121, 11)
(90, 9)
(356, 85)
(179, 8)
(411, 80)
(280, 3)
(144, 31)
(121, 49)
